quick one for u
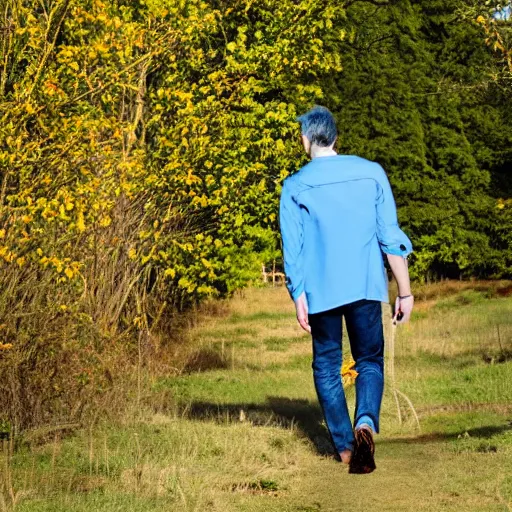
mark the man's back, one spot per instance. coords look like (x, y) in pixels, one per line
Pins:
(346, 213)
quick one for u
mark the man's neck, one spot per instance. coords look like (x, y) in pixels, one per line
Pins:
(318, 152)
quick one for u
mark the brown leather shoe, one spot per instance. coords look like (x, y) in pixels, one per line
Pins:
(364, 450)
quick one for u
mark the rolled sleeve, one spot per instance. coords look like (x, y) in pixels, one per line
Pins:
(391, 238)
(292, 236)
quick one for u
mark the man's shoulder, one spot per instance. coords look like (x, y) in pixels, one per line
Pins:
(293, 180)
(369, 164)
(352, 167)
(295, 177)
(371, 169)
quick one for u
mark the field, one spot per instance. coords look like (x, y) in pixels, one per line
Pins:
(239, 429)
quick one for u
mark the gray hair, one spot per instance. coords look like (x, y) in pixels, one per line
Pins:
(319, 126)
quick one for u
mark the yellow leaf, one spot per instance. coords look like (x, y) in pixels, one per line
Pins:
(105, 221)
(80, 224)
(498, 46)
(170, 272)
(132, 253)
(2, 233)
(101, 47)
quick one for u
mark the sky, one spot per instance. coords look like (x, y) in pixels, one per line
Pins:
(504, 14)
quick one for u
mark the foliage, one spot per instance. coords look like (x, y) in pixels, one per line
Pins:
(415, 94)
(143, 145)
(142, 148)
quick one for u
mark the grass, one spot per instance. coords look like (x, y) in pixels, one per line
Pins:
(241, 430)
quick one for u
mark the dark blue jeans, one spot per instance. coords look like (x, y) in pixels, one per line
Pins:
(363, 319)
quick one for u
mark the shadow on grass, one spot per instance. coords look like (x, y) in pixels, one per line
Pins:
(484, 432)
(307, 418)
(300, 414)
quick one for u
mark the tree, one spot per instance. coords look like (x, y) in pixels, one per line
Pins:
(412, 89)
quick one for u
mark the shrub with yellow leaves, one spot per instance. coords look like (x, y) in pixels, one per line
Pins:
(142, 150)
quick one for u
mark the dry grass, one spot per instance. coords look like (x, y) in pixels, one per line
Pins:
(72, 351)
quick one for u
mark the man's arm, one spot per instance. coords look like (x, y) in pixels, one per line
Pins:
(405, 300)
(292, 236)
(391, 238)
(396, 245)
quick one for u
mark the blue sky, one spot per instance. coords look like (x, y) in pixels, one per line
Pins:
(504, 14)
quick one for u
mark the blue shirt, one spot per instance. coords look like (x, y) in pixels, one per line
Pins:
(337, 215)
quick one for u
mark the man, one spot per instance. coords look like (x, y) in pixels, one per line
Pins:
(337, 217)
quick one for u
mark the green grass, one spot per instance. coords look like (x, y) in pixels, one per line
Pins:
(247, 434)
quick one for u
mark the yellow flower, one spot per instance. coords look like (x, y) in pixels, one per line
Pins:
(5, 346)
(348, 373)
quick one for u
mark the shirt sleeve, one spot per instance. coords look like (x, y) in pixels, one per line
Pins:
(292, 236)
(391, 238)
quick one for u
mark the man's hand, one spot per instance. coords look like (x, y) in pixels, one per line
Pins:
(403, 309)
(301, 306)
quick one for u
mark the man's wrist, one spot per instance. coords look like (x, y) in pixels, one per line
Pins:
(403, 292)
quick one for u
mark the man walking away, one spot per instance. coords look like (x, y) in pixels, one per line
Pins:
(337, 218)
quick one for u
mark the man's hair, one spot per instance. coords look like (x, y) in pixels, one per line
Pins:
(319, 126)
